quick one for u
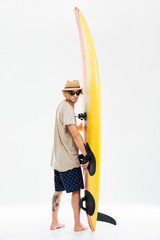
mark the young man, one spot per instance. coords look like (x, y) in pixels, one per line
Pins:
(64, 160)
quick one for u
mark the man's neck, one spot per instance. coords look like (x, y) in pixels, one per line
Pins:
(71, 103)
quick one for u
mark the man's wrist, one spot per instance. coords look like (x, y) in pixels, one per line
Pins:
(84, 158)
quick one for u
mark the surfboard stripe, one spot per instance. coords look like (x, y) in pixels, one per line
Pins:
(84, 71)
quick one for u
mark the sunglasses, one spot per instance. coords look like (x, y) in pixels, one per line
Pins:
(77, 93)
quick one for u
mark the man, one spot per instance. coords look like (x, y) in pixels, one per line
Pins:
(64, 160)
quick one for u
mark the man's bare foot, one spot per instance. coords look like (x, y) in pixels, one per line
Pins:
(56, 226)
(81, 227)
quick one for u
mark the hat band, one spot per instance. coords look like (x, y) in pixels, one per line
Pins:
(72, 87)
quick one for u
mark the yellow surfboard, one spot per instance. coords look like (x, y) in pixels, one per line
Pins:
(92, 122)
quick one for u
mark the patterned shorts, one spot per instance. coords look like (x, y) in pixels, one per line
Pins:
(70, 180)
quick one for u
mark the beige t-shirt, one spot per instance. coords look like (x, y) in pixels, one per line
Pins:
(65, 152)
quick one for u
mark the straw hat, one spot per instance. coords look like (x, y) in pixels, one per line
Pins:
(72, 86)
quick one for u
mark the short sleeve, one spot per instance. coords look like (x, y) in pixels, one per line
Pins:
(69, 117)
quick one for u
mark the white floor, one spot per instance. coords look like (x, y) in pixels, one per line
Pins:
(33, 222)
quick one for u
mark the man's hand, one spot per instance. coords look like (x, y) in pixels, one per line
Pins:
(80, 127)
(84, 159)
(85, 166)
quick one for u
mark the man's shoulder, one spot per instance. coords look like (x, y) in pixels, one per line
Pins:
(65, 113)
(64, 106)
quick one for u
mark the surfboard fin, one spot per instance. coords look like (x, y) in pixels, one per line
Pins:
(105, 218)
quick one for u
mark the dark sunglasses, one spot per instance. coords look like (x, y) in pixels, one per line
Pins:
(77, 92)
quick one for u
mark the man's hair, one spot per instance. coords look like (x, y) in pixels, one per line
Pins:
(65, 93)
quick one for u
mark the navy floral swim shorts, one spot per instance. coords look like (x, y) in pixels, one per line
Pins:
(70, 180)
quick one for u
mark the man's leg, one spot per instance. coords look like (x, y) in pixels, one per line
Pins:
(55, 207)
(76, 210)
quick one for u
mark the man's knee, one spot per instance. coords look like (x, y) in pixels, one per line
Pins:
(58, 192)
(76, 192)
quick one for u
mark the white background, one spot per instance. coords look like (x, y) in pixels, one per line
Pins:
(39, 52)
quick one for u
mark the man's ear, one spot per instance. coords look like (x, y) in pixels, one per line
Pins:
(65, 94)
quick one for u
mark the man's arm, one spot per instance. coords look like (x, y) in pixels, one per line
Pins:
(78, 141)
